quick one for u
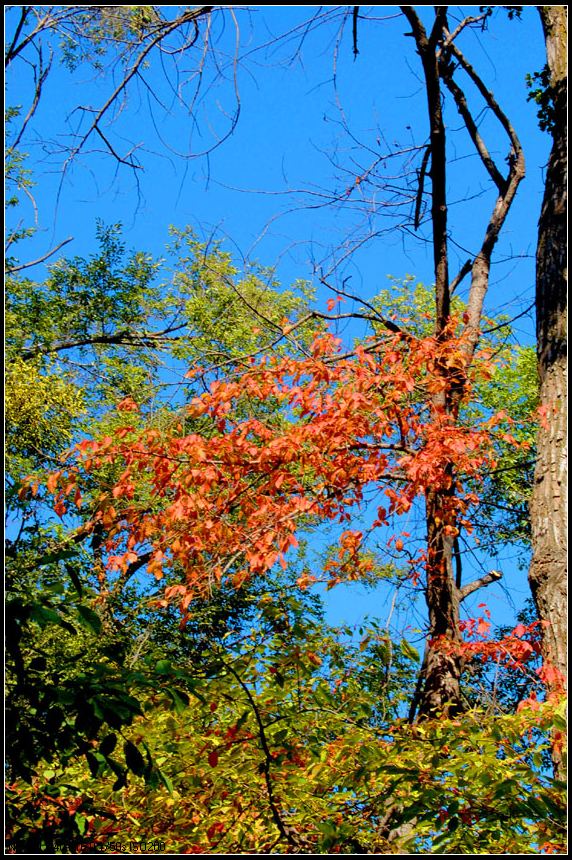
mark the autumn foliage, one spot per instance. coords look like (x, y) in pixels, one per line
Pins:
(228, 501)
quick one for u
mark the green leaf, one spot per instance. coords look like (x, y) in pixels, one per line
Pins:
(44, 615)
(94, 764)
(89, 618)
(281, 736)
(60, 555)
(164, 667)
(76, 581)
(166, 781)
(409, 651)
(179, 699)
(120, 782)
(108, 744)
(133, 758)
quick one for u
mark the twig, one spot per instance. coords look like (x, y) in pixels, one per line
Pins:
(421, 182)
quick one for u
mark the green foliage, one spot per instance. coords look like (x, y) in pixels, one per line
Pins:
(412, 303)
(512, 389)
(542, 93)
(284, 748)
(42, 408)
(89, 33)
(233, 315)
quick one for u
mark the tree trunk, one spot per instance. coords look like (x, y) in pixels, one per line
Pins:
(439, 687)
(548, 508)
(441, 692)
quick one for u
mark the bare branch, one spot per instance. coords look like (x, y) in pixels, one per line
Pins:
(421, 182)
(471, 19)
(391, 326)
(42, 74)
(465, 269)
(426, 49)
(15, 49)
(40, 259)
(471, 126)
(10, 53)
(355, 15)
(482, 263)
(114, 153)
(509, 322)
(187, 17)
(483, 581)
(488, 97)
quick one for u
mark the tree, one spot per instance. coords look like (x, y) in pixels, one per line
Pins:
(439, 55)
(209, 496)
(549, 502)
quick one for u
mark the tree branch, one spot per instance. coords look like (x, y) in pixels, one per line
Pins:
(355, 15)
(421, 183)
(391, 326)
(11, 269)
(10, 52)
(471, 126)
(482, 262)
(471, 19)
(426, 49)
(125, 338)
(187, 17)
(42, 74)
(15, 49)
(465, 269)
(483, 581)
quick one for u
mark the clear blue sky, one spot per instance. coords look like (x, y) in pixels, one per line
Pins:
(265, 188)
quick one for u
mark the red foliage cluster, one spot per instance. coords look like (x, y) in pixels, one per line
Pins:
(228, 501)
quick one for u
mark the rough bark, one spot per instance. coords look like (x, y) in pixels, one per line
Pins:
(548, 508)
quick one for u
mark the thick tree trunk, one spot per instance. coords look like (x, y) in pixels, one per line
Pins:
(548, 508)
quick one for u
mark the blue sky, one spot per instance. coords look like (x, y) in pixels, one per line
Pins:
(265, 189)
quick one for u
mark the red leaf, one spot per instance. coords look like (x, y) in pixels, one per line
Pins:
(127, 405)
(213, 758)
